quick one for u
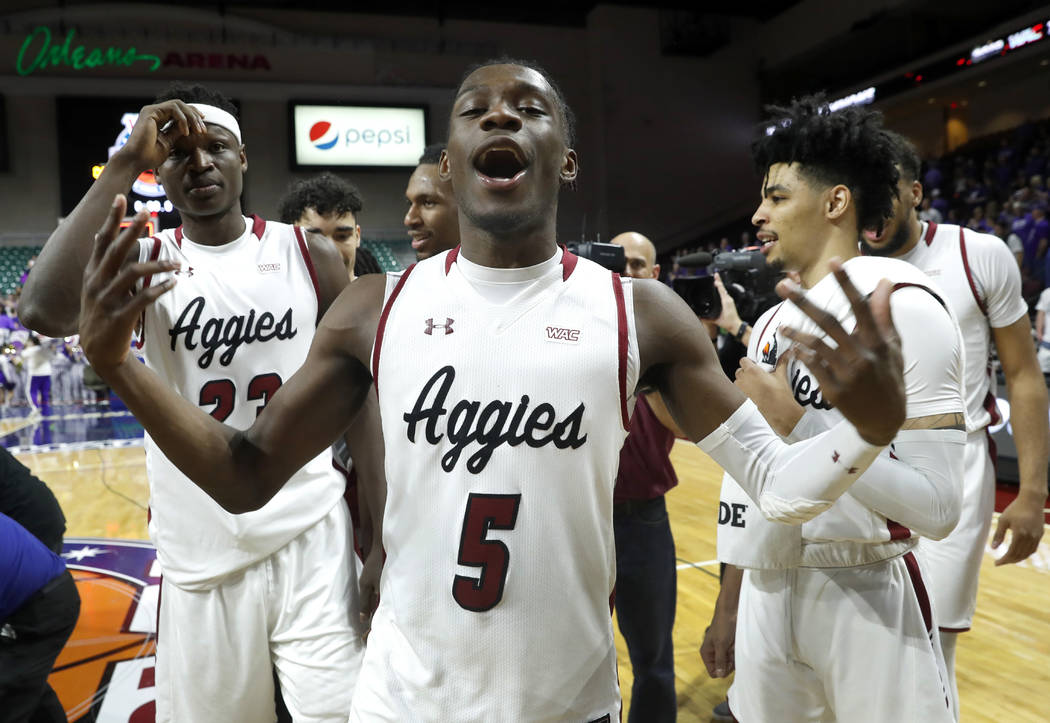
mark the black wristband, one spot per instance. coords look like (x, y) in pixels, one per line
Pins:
(739, 335)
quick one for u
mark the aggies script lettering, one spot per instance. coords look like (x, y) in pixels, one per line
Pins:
(229, 333)
(490, 426)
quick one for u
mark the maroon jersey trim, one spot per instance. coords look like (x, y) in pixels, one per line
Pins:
(381, 328)
(969, 274)
(568, 264)
(931, 231)
(258, 226)
(154, 254)
(451, 259)
(920, 589)
(621, 324)
(309, 263)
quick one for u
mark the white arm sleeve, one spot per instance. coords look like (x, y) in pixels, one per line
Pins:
(789, 483)
(921, 490)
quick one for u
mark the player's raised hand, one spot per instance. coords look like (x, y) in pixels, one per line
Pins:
(156, 130)
(109, 303)
(863, 376)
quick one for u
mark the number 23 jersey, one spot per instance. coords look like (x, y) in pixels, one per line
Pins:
(503, 424)
(237, 324)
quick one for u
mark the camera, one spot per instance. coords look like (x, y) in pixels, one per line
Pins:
(745, 275)
(610, 256)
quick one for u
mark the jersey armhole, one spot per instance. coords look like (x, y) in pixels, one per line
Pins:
(154, 254)
(391, 297)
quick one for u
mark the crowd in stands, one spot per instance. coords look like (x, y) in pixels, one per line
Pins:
(995, 184)
(36, 371)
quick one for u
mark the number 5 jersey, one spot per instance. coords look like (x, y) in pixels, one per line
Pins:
(503, 395)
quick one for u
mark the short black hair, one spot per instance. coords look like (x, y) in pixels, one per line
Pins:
(567, 116)
(431, 154)
(196, 93)
(907, 156)
(365, 262)
(325, 194)
(847, 146)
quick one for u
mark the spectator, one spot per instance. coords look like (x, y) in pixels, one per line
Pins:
(37, 360)
(930, 214)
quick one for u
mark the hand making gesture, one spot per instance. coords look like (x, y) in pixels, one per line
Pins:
(110, 305)
(863, 374)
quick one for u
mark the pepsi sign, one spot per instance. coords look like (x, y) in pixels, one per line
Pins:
(355, 135)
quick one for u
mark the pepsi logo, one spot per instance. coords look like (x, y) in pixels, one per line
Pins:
(323, 135)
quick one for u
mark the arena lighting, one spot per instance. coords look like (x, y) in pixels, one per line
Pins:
(981, 52)
(861, 97)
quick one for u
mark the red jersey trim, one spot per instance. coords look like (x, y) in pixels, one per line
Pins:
(920, 589)
(568, 264)
(178, 237)
(969, 274)
(897, 530)
(309, 261)
(927, 289)
(258, 226)
(451, 259)
(381, 327)
(770, 321)
(931, 231)
(621, 324)
(568, 261)
(154, 254)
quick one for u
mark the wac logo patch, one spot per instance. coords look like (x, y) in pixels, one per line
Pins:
(563, 336)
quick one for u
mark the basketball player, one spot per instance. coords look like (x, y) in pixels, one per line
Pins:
(983, 285)
(845, 585)
(431, 219)
(503, 370)
(237, 590)
(330, 206)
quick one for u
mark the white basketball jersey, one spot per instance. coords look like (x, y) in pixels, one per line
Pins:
(745, 537)
(238, 324)
(503, 426)
(982, 283)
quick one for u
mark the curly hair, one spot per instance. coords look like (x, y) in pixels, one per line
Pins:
(908, 160)
(326, 194)
(365, 262)
(196, 93)
(568, 118)
(847, 146)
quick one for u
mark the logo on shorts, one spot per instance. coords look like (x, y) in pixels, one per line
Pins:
(564, 336)
(430, 326)
(323, 135)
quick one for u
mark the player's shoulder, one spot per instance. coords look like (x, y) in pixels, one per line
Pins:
(866, 271)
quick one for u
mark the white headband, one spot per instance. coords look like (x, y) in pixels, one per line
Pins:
(219, 117)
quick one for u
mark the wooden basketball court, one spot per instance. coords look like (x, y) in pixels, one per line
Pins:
(1003, 663)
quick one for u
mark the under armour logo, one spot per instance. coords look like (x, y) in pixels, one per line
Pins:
(187, 272)
(447, 326)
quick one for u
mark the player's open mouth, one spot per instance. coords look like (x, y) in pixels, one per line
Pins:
(872, 236)
(768, 242)
(501, 167)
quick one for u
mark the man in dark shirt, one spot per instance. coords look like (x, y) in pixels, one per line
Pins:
(39, 604)
(646, 575)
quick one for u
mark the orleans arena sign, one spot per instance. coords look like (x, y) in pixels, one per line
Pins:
(41, 50)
